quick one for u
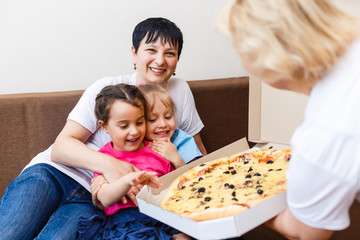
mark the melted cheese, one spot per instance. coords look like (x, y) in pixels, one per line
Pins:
(240, 180)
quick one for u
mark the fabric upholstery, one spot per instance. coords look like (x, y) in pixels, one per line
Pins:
(29, 123)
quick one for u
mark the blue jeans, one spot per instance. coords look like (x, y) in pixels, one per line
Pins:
(43, 203)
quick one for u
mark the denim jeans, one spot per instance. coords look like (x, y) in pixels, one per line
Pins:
(43, 203)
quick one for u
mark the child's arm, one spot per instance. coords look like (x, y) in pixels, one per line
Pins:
(167, 150)
(110, 193)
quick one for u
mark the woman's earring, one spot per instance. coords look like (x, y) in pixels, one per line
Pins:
(174, 73)
(135, 66)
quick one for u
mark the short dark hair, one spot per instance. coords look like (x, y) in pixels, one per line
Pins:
(153, 28)
(124, 92)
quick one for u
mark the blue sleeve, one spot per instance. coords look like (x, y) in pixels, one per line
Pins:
(185, 145)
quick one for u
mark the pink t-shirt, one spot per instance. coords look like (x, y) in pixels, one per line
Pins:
(144, 159)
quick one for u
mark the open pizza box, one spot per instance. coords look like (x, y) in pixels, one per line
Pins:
(269, 126)
(149, 200)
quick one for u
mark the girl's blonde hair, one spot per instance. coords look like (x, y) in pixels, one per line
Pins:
(152, 92)
(301, 39)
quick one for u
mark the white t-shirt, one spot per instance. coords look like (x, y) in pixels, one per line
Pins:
(186, 117)
(324, 171)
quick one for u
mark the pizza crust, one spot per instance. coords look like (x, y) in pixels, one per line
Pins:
(170, 191)
(215, 213)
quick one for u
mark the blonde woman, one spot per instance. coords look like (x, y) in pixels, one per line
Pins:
(310, 47)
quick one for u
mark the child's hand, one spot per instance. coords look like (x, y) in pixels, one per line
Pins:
(164, 148)
(167, 150)
(144, 177)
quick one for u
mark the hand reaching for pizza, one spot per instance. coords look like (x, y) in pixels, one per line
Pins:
(144, 178)
(167, 150)
(106, 194)
(137, 180)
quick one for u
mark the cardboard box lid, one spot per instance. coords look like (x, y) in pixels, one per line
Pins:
(273, 114)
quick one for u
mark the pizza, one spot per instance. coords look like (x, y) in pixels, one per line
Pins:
(228, 186)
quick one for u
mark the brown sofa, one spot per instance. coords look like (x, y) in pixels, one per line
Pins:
(30, 122)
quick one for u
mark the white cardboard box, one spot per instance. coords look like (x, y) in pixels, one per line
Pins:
(149, 199)
(273, 114)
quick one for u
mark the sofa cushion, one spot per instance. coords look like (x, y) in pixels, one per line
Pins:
(223, 107)
(29, 123)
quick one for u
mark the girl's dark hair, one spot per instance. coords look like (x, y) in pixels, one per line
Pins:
(153, 28)
(124, 92)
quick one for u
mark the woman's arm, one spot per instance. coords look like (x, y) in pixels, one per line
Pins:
(70, 150)
(286, 224)
(200, 144)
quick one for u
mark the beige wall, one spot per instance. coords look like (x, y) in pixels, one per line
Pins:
(350, 6)
(52, 45)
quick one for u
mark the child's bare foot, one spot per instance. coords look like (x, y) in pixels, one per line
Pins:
(181, 236)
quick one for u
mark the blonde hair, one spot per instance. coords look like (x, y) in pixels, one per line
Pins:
(152, 92)
(301, 39)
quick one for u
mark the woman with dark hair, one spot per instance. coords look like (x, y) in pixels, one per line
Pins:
(46, 200)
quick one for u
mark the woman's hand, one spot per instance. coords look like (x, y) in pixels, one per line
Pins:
(134, 190)
(292, 228)
(117, 169)
(96, 184)
(167, 150)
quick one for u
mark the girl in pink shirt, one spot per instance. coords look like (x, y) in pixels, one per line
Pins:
(121, 112)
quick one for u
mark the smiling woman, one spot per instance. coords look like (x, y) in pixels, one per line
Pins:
(155, 56)
(157, 61)
(68, 164)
